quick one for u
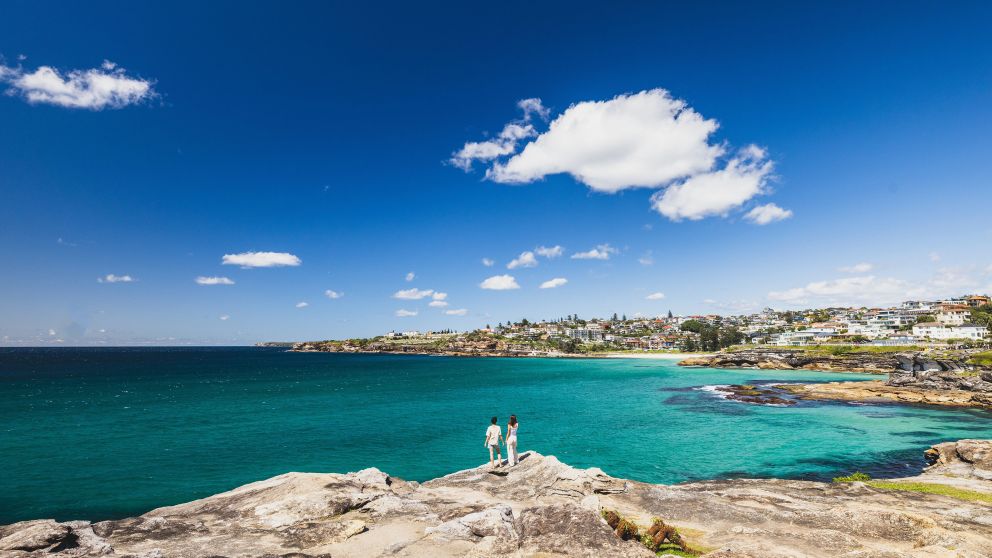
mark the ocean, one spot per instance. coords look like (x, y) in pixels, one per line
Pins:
(99, 433)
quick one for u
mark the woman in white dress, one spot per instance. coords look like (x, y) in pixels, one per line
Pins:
(511, 441)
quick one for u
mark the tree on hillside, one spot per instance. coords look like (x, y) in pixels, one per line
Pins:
(694, 326)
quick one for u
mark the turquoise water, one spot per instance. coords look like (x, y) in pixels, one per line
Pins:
(103, 433)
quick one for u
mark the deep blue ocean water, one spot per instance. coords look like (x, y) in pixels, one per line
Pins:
(105, 433)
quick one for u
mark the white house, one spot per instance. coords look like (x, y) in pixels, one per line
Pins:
(939, 331)
(953, 314)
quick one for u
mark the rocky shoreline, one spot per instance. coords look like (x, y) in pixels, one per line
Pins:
(546, 508)
(853, 361)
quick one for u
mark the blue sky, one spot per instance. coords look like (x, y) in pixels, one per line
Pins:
(327, 132)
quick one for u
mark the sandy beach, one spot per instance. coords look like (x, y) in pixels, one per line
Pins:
(657, 356)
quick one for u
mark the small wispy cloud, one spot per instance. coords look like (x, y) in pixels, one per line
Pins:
(439, 296)
(412, 294)
(934, 256)
(401, 313)
(525, 259)
(410, 276)
(655, 296)
(108, 86)
(437, 303)
(554, 283)
(111, 278)
(500, 283)
(768, 213)
(201, 280)
(646, 259)
(261, 259)
(458, 312)
(550, 252)
(224, 317)
(302, 304)
(333, 294)
(600, 252)
(488, 262)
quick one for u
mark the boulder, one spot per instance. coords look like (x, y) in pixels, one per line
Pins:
(30, 536)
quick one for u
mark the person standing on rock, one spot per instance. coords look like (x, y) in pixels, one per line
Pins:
(511, 441)
(494, 436)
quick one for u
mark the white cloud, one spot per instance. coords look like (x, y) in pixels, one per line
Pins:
(437, 304)
(601, 252)
(500, 283)
(646, 259)
(51, 332)
(768, 213)
(94, 89)
(439, 296)
(552, 252)
(655, 296)
(554, 283)
(716, 193)
(871, 290)
(459, 312)
(642, 140)
(412, 294)
(224, 317)
(504, 144)
(261, 259)
(525, 259)
(861, 267)
(488, 262)
(410, 277)
(333, 294)
(201, 280)
(302, 304)
(111, 278)
(934, 256)
(405, 313)
(533, 106)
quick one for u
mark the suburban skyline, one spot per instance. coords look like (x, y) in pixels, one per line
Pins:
(169, 179)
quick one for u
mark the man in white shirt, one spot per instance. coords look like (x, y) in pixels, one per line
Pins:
(494, 436)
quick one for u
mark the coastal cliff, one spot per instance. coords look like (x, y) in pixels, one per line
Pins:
(544, 507)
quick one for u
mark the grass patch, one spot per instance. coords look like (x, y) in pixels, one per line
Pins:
(981, 359)
(854, 477)
(933, 488)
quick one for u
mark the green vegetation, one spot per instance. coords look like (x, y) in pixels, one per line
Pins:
(921, 487)
(981, 359)
(660, 538)
(854, 477)
(982, 315)
(934, 488)
(711, 337)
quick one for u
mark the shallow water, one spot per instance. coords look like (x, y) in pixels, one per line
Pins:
(104, 433)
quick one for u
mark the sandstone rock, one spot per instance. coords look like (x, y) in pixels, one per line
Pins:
(541, 508)
(33, 535)
(492, 522)
(569, 530)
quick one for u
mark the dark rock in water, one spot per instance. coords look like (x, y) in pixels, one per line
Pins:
(754, 395)
(905, 363)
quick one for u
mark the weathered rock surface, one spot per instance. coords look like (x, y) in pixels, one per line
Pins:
(877, 390)
(544, 508)
(799, 359)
